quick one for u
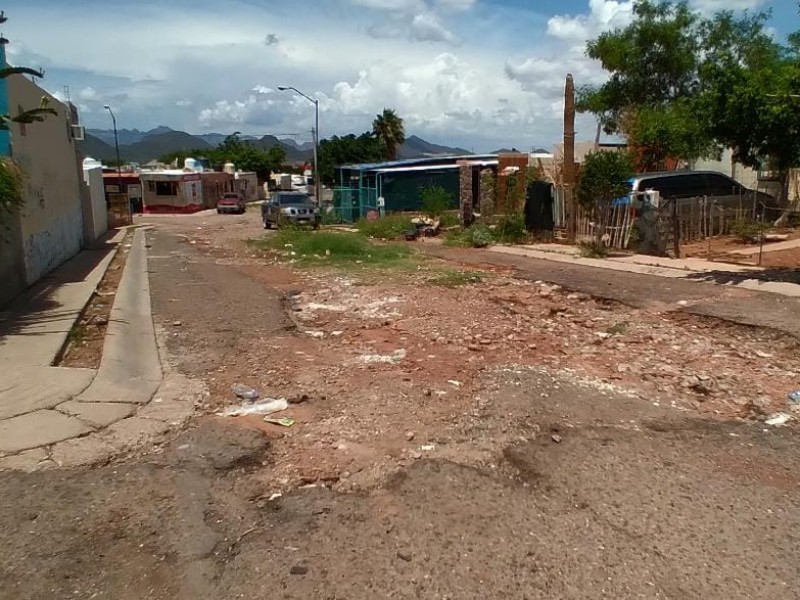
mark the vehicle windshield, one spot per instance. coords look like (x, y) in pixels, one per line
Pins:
(229, 195)
(292, 199)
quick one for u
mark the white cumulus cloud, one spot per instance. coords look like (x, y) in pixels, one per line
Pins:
(603, 15)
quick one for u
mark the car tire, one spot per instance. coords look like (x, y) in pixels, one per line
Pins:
(219, 212)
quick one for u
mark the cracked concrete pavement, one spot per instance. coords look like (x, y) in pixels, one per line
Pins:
(63, 416)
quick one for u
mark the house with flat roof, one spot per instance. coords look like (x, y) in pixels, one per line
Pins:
(396, 185)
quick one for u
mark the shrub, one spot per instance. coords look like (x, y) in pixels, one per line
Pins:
(747, 230)
(475, 236)
(11, 183)
(448, 219)
(593, 250)
(435, 201)
(511, 229)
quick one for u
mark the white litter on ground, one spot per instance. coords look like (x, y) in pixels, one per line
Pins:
(266, 406)
(393, 358)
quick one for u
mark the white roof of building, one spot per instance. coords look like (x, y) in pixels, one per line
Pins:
(481, 163)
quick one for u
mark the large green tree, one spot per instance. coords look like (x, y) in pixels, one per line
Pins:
(348, 149)
(389, 129)
(752, 105)
(249, 158)
(669, 72)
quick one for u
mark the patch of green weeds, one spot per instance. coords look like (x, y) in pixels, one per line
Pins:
(333, 247)
(511, 229)
(387, 227)
(619, 328)
(593, 250)
(474, 236)
(452, 278)
(76, 335)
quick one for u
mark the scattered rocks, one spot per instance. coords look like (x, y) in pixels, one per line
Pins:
(298, 570)
(410, 435)
(406, 556)
(556, 438)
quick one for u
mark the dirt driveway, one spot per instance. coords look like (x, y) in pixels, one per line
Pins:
(455, 437)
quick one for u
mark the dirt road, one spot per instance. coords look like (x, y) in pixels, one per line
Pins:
(502, 439)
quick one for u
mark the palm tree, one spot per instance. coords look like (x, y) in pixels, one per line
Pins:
(388, 128)
(32, 115)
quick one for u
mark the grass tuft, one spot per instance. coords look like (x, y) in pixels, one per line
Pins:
(388, 227)
(452, 278)
(317, 247)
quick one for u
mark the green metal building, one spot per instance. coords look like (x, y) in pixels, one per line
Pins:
(399, 183)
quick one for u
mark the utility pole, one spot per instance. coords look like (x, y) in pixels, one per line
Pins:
(568, 169)
(315, 102)
(116, 145)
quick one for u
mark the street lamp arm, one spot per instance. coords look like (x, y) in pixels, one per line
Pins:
(315, 102)
(289, 87)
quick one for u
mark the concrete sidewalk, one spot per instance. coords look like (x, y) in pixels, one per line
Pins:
(59, 416)
(687, 268)
(769, 247)
(35, 325)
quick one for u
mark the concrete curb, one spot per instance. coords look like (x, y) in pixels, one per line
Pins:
(130, 370)
(117, 412)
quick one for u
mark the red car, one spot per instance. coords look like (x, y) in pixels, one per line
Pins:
(232, 202)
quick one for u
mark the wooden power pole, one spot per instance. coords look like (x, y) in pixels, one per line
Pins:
(568, 168)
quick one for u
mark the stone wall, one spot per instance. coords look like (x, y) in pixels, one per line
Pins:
(511, 180)
(466, 195)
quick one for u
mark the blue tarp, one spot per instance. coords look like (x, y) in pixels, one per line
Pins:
(623, 200)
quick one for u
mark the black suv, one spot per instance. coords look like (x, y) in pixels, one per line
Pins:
(687, 186)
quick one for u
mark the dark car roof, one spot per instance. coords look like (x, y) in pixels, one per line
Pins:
(676, 174)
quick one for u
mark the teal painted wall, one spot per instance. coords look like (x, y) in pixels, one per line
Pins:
(401, 191)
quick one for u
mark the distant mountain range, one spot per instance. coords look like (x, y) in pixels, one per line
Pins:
(143, 146)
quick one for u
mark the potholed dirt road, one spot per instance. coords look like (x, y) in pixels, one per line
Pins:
(503, 439)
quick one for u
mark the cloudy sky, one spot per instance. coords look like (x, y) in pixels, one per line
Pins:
(476, 73)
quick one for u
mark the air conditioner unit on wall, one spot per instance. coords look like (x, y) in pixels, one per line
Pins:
(78, 132)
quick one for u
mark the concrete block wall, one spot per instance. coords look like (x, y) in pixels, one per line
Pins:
(51, 221)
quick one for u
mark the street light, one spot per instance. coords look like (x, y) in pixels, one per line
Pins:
(116, 145)
(315, 102)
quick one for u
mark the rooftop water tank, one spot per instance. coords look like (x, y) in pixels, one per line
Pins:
(229, 168)
(190, 164)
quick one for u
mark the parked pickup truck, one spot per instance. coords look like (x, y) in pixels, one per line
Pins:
(294, 208)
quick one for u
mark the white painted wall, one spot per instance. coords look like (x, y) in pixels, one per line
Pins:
(247, 183)
(97, 212)
(52, 217)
